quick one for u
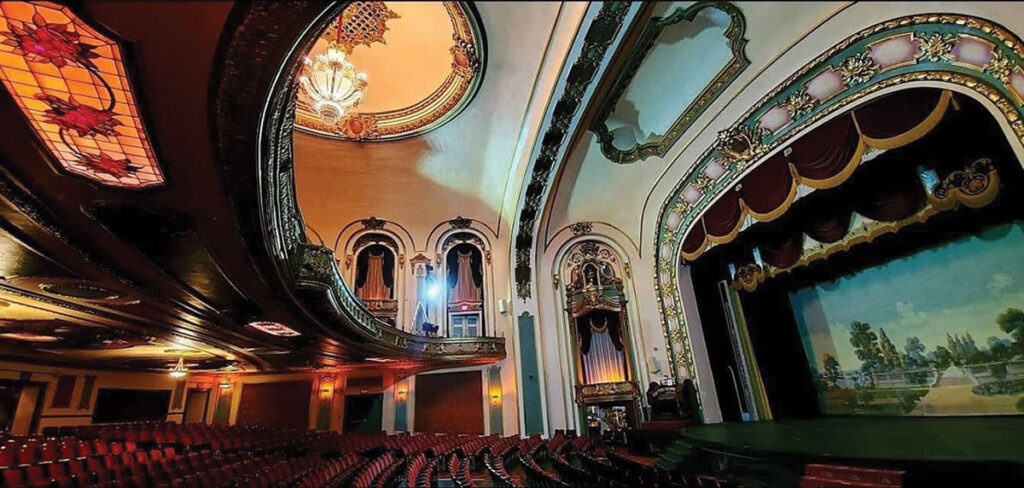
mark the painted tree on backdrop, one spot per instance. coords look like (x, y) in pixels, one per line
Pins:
(1012, 322)
(889, 356)
(865, 346)
(832, 372)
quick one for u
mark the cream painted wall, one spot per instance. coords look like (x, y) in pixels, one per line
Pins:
(463, 168)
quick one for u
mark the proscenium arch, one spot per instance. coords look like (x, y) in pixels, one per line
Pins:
(932, 64)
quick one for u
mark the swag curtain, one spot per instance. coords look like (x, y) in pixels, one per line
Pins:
(824, 158)
(374, 288)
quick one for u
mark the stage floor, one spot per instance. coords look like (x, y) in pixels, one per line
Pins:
(889, 439)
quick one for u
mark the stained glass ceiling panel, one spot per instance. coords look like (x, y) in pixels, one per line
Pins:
(69, 81)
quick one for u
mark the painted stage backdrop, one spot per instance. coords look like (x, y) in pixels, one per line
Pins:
(940, 332)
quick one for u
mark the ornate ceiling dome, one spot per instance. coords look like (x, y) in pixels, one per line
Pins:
(388, 70)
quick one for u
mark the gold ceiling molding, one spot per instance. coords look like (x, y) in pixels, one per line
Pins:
(443, 104)
(362, 23)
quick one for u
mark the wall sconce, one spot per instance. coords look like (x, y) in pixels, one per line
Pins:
(326, 387)
(495, 398)
(224, 384)
(402, 393)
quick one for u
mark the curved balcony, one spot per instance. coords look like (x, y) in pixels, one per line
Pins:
(261, 182)
(316, 272)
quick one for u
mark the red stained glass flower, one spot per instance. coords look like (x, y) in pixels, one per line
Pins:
(103, 163)
(49, 43)
(71, 115)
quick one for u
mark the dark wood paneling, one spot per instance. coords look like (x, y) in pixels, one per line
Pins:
(450, 402)
(65, 388)
(284, 404)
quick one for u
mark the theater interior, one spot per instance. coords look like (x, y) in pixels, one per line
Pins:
(511, 244)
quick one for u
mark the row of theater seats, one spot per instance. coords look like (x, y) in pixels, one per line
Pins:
(171, 455)
(168, 455)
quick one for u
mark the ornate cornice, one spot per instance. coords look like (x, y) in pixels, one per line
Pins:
(850, 71)
(599, 36)
(580, 228)
(460, 222)
(372, 223)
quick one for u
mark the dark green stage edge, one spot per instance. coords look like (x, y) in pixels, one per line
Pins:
(980, 451)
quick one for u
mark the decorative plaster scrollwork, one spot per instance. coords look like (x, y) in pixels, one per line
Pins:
(580, 228)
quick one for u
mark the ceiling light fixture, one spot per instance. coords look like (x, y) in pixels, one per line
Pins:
(332, 83)
(274, 328)
(179, 370)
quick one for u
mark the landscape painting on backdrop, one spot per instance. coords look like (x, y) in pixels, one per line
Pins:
(939, 332)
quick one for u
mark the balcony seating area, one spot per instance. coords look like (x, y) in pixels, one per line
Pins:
(169, 455)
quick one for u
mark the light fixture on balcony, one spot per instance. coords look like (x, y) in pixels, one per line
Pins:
(332, 83)
(179, 371)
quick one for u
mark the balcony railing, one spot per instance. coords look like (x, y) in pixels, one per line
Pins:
(318, 273)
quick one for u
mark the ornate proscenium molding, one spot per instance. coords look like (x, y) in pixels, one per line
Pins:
(968, 53)
(261, 182)
(648, 38)
(974, 186)
(748, 277)
(740, 145)
(599, 36)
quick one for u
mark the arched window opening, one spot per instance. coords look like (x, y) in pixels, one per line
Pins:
(375, 276)
(464, 285)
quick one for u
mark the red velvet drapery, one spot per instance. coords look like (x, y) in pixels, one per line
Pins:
(824, 158)
(374, 287)
(465, 290)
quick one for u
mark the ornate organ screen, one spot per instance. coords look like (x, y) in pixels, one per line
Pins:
(601, 349)
(596, 308)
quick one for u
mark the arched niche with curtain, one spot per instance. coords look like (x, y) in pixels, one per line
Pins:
(375, 274)
(464, 284)
(598, 321)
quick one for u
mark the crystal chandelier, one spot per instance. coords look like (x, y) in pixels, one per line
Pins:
(332, 83)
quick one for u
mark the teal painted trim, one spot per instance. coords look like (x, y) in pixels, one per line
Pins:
(494, 384)
(323, 416)
(533, 418)
(222, 414)
(401, 415)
